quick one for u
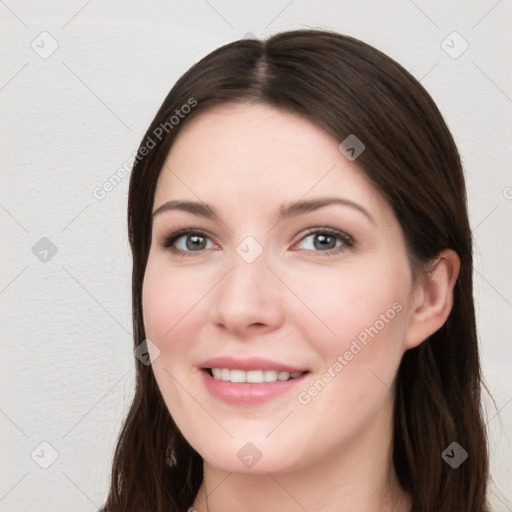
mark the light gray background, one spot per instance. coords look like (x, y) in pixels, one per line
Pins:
(72, 118)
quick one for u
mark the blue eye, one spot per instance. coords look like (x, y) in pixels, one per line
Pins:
(196, 237)
(195, 241)
(325, 237)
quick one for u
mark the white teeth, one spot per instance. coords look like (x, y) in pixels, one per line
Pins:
(237, 376)
(269, 376)
(253, 376)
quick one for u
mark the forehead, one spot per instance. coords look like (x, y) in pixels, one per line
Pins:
(240, 132)
(244, 153)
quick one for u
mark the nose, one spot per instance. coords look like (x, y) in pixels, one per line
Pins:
(248, 298)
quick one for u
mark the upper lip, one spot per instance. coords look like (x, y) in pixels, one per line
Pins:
(252, 363)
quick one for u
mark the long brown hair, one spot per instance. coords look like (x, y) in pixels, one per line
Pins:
(346, 87)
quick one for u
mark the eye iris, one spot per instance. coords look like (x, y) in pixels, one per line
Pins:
(195, 244)
(323, 238)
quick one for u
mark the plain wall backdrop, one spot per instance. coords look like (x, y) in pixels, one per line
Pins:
(79, 83)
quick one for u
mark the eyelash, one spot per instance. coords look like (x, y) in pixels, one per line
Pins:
(347, 240)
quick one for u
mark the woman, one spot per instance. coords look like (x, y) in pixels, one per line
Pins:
(302, 286)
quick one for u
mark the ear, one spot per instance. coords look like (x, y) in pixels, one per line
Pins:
(433, 298)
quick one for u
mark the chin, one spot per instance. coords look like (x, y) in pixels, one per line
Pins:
(248, 458)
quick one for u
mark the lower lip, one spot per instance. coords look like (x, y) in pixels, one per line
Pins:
(248, 392)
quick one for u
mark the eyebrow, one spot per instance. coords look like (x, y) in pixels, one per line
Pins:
(286, 210)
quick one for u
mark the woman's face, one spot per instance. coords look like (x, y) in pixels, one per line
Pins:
(273, 290)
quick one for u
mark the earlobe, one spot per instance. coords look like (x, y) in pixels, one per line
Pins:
(433, 298)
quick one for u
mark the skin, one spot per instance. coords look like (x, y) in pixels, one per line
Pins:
(293, 304)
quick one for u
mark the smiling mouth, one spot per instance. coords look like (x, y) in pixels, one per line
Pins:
(251, 376)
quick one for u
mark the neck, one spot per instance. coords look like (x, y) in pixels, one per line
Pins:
(359, 477)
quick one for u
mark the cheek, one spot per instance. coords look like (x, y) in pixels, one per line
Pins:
(167, 301)
(357, 365)
(351, 303)
(358, 335)
(168, 306)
